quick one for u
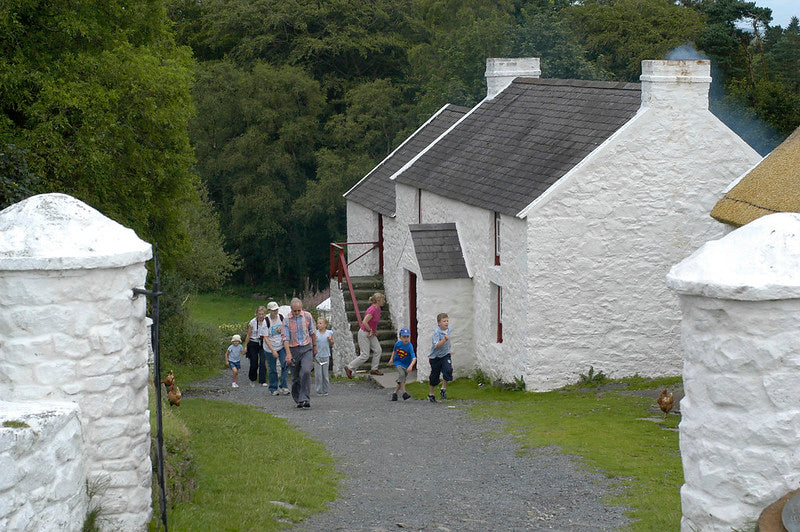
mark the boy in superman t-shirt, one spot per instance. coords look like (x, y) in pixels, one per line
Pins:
(404, 360)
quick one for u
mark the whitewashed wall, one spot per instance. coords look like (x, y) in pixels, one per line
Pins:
(73, 331)
(454, 297)
(344, 348)
(362, 226)
(43, 482)
(469, 300)
(740, 424)
(601, 240)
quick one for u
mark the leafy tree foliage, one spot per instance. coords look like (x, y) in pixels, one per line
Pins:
(619, 35)
(98, 96)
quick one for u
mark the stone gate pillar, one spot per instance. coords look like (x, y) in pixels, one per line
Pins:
(71, 330)
(740, 426)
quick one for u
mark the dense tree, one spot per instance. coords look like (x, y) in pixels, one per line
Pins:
(619, 35)
(255, 135)
(98, 96)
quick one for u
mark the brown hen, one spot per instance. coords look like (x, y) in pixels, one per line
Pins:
(174, 395)
(665, 402)
(169, 380)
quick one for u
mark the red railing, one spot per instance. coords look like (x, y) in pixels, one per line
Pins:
(339, 265)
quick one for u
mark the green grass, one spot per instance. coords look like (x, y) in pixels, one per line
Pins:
(252, 471)
(605, 430)
(219, 309)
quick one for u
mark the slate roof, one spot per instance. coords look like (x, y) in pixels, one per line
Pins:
(438, 251)
(376, 191)
(773, 185)
(512, 148)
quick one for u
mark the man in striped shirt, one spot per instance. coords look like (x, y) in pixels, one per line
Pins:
(299, 327)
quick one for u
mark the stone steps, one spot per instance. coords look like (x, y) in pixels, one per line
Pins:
(363, 288)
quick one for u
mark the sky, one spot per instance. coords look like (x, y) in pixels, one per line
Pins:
(782, 10)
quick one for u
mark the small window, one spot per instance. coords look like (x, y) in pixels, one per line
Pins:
(497, 310)
(419, 205)
(496, 230)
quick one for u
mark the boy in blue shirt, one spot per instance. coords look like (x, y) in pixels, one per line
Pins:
(440, 357)
(404, 360)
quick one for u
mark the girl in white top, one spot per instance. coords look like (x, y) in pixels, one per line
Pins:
(255, 351)
(321, 368)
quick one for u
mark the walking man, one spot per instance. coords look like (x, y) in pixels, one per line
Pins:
(302, 350)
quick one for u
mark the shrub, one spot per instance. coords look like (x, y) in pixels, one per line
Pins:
(592, 379)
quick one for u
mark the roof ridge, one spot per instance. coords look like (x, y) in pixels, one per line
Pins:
(621, 85)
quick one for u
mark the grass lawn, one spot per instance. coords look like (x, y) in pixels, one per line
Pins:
(219, 309)
(238, 468)
(609, 429)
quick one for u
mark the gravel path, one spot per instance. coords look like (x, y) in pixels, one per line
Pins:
(420, 466)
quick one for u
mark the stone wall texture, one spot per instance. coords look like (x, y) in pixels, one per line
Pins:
(601, 241)
(73, 331)
(43, 485)
(740, 424)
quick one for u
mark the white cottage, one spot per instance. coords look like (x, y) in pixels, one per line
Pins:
(544, 220)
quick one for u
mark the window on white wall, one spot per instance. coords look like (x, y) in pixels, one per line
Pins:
(496, 231)
(419, 205)
(497, 310)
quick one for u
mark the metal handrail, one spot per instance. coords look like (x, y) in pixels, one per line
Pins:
(339, 267)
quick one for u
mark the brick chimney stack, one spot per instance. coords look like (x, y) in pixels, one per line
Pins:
(500, 72)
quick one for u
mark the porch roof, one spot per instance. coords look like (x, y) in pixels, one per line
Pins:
(510, 149)
(376, 191)
(438, 251)
(773, 185)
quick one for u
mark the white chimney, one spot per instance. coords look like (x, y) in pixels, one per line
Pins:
(680, 84)
(500, 72)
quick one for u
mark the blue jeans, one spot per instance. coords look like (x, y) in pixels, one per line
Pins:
(273, 370)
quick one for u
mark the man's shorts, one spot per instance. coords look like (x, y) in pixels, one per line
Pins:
(441, 365)
(237, 365)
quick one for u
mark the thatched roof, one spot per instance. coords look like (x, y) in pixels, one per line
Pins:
(773, 185)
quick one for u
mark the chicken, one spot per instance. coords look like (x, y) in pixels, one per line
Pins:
(665, 402)
(169, 380)
(174, 395)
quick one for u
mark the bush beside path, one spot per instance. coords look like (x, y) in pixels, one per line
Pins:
(421, 466)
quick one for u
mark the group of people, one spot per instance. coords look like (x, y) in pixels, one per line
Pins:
(294, 343)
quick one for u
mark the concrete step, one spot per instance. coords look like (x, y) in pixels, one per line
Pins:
(389, 378)
(374, 282)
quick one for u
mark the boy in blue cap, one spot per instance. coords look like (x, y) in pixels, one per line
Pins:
(404, 360)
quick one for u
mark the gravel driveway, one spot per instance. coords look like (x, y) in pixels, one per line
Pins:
(420, 466)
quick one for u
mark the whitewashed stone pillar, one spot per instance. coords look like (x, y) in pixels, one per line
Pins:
(740, 426)
(71, 330)
(42, 469)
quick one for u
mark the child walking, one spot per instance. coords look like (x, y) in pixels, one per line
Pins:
(404, 360)
(324, 343)
(233, 358)
(440, 358)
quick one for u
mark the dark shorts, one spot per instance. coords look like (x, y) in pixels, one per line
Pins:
(442, 365)
(237, 365)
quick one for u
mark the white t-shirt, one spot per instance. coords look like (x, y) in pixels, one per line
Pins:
(275, 332)
(257, 331)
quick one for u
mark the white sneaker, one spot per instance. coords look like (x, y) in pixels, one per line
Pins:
(285, 391)
(264, 384)
(276, 392)
(234, 385)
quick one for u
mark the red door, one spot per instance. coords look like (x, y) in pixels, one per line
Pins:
(412, 308)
